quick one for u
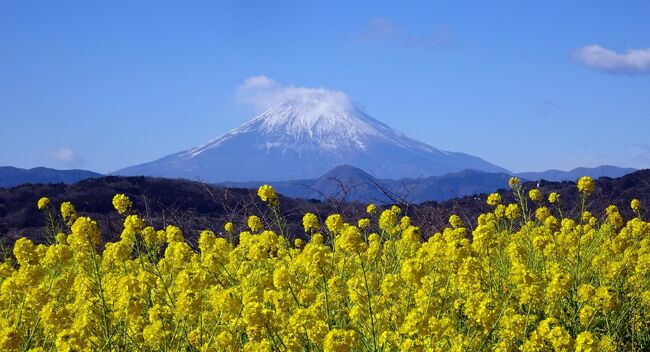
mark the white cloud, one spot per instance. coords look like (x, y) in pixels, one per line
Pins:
(65, 157)
(63, 154)
(263, 93)
(632, 62)
(258, 82)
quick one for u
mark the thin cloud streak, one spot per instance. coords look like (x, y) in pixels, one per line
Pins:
(380, 30)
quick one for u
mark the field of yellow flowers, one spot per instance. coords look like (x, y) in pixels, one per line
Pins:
(526, 278)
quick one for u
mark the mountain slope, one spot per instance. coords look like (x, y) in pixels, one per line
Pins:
(12, 176)
(343, 182)
(455, 185)
(304, 138)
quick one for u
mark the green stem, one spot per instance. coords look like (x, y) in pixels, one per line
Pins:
(372, 315)
(105, 311)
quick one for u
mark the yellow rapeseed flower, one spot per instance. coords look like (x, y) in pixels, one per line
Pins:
(85, 234)
(10, 338)
(122, 203)
(310, 223)
(255, 223)
(363, 223)
(500, 211)
(334, 223)
(267, 194)
(514, 182)
(513, 211)
(455, 221)
(465, 288)
(542, 213)
(43, 203)
(494, 199)
(585, 342)
(586, 185)
(68, 212)
(535, 195)
(350, 240)
(338, 340)
(25, 252)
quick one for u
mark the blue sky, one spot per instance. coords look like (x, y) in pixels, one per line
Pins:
(526, 85)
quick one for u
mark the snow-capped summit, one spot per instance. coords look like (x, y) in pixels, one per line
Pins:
(315, 124)
(303, 137)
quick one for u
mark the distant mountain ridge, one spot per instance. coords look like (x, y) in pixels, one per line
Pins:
(574, 174)
(348, 183)
(13, 176)
(305, 137)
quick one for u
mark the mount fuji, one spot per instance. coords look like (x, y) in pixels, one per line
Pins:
(304, 137)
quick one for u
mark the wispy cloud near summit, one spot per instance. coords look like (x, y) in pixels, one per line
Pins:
(632, 63)
(65, 157)
(263, 93)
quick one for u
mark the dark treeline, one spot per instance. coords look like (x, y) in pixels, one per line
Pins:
(196, 206)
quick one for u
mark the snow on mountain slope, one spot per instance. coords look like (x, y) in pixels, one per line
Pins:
(304, 137)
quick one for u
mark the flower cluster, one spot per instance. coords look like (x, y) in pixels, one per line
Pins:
(586, 185)
(522, 279)
(494, 199)
(43, 203)
(268, 194)
(122, 203)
